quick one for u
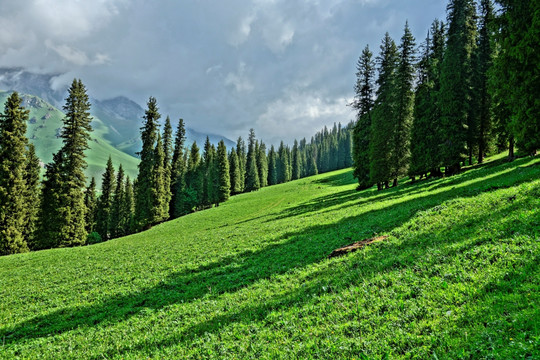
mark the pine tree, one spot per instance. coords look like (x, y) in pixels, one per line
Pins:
(252, 181)
(262, 165)
(144, 201)
(105, 203)
(62, 217)
(31, 195)
(90, 202)
(295, 161)
(13, 209)
(272, 166)
(282, 164)
(400, 153)
(117, 207)
(241, 153)
(167, 164)
(178, 169)
(456, 78)
(128, 209)
(382, 129)
(223, 173)
(234, 170)
(362, 129)
(192, 194)
(160, 201)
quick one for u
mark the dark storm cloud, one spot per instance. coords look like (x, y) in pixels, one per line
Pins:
(285, 68)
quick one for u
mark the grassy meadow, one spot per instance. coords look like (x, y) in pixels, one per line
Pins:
(457, 278)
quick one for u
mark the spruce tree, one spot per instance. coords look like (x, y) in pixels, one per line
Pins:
(262, 165)
(234, 170)
(160, 201)
(13, 208)
(252, 181)
(272, 166)
(105, 202)
(384, 113)
(167, 163)
(295, 162)
(117, 208)
(31, 195)
(144, 201)
(282, 164)
(90, 202)
(405, 72)
(128, 209)
(62, 218)
(224, 182)
(364, 105)
(456, 82)
(178, 169)
(242, 160)
(192, 194)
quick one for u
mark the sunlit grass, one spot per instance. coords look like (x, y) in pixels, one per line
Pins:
(457, 277)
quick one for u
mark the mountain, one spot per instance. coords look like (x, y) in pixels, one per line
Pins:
(121, 118)
(44, 127)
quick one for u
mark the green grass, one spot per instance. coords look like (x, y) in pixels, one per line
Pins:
(43, 128)
(458, 277)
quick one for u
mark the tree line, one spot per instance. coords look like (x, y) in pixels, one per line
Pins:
(471, 87)
(173, 180)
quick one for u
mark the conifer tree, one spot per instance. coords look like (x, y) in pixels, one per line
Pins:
(224, 182)
(178, 169)
(62, 219)
(262, 165)
(234, 170)
(160, 201)
(252, 181)
(105, 202)
(117, 208)
(241, 154)
(128, 209)
(384, 112)
(362, 129)
(90, 202)
(295, 162)
(400, 153)
(192, 194)
(272, 166)
(13, 209)
(144, 201)
(282, 164)
(456, 78)
(167, 163)
(31, 195)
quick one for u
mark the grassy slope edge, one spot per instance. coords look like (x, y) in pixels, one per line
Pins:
(457, 278)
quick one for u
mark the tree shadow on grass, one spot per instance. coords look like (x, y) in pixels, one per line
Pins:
(385, 260)
(232, 273)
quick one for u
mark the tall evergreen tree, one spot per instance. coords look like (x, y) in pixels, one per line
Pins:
(31, 195)
(167, 164)
(192, 194)
(105, 202)
(384, 112)
(456, 82)
(242, 160)
(262, 165)
(364, 105)
(295, 162)
(272, 166)
(90, 202)
(178, 169)
(117, 207)
(224, 182)
(128, 208)
(252, 181)
(62, 220)
(144, 201)
(282, 164)
(160, 201)
(401, 142)
(13, 209)
(234, 170)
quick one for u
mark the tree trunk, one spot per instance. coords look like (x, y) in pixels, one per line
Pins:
(511, 149)
(395, 183)
(386, 184)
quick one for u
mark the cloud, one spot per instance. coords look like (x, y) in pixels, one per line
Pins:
(239, 80)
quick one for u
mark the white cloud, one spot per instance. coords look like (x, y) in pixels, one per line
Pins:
(239, 80)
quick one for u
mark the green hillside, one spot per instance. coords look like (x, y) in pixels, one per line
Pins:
(43, 130)
(457, 277)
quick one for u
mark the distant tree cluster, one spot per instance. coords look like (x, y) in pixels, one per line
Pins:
(173, 180)
(472, 86)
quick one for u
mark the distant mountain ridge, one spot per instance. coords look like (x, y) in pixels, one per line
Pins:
(121, 116)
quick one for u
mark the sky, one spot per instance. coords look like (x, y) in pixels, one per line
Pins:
(283, 67)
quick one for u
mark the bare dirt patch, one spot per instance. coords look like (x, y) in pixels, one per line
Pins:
(356, 246)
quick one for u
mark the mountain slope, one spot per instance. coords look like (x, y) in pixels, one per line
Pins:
(44, 126)
(458, 277)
